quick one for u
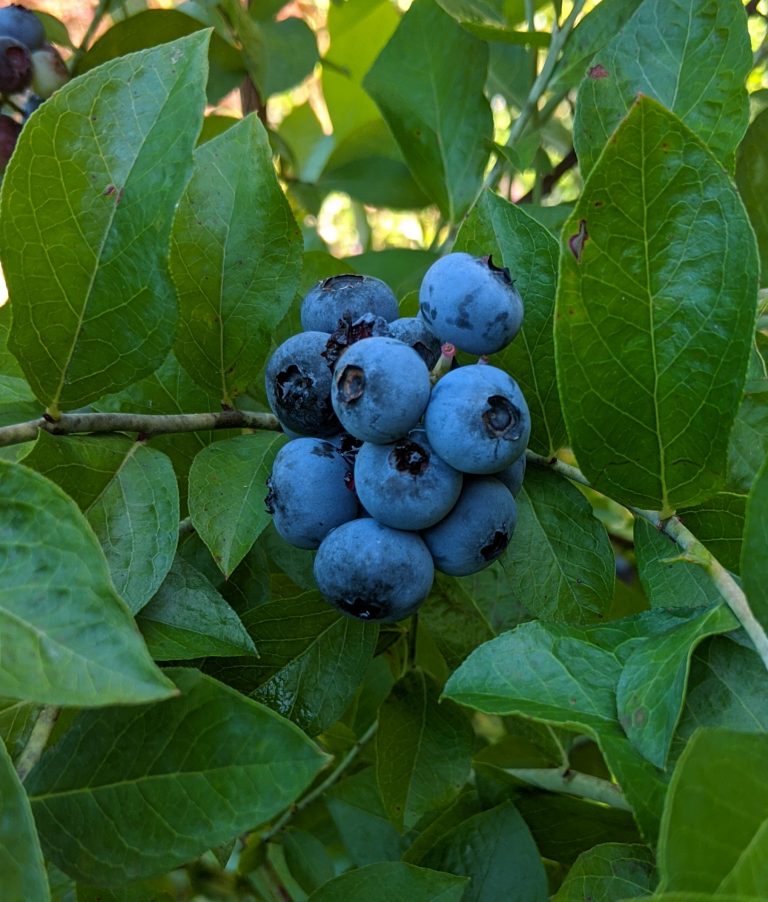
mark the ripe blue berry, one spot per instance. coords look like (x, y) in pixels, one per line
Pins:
(22, 25)
(298, 382)
(405, 485)
(346, 297)
(380, 389)
(370, 571)
(309, 492)
(476, 531)
(471, 303)
(413, 331)
(477, 419)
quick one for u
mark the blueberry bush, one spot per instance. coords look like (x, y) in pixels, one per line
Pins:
(383, 437)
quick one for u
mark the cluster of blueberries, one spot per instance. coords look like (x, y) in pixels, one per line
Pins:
(30, 71)
(400, 460)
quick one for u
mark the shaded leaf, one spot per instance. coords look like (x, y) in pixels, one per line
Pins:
(380, 882)
(752, 180)
(70, 638)
(94, 309)
(21, 858)
(654, 305)
(128, 494)
(719, 524)
(608, 873)
(227, 488)
(188, 774)
(692, 56)
(530, 252)
(423, 750)
(442, 124)
(187, 618)
(754, 565)
(235, 258)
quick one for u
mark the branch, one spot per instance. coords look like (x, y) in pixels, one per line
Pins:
(38, 739)
(693, 550)
(332, 778)
(585, 786)
(552, 178)
(145, 425)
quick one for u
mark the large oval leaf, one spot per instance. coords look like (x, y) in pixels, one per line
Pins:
(752, 179)
(187, 774)
(93, 303)
(68, 638)
(754, 566)
(128, 494)
(691, 55)
(235, 259)
(655, 309)
(530, 252)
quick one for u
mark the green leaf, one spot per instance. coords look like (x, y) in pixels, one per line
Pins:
(609, 872)
(423, 750)
(93, 310)
(692, 56)
(70, 638)
(754, 566)
(21, 858)
(752, 181)
(719, 782)
(16, 722)
(392, 879)
(669, 581)
(654, 305)
(291, 54)
(227, 488)
(188, 618)
(170, 390)
(560, 559)
(151, 27)
(496, 850)
(719, 524)
(530, 252)
(128, 494)
(187, 774)
(235, 260)
(307, 859)
(749, 438)
(360, 818)
(726, 688)
(651, 688)
(312, 659)
(442, 123)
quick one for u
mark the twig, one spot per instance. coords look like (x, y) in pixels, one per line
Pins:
(93, 25)
(329, 781)
(694, 552)
(585, 786)
(143, 424)
(38, 739)
(549, 181)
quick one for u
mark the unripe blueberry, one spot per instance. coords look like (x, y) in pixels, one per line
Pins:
(405, 484)
(477, 419)
(471, 303)
(476, 531)
(298, 383)
(22, 25)
(372, 572)
(309, 491)
(346, 297)
(15, 66)
(380, 389)
(48, 71)
(9, 135)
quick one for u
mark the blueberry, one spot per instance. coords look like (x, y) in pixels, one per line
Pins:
(476, 531)
(346, 297)
(15, 66)
(48, 71)
(22, 24)
(370, 571)
(477, 419)
(471, 303)
(9, 135)
(413, 331)
(380, 389)
(513, 475)
(309, 491)
(298, 381)
(405, 485)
